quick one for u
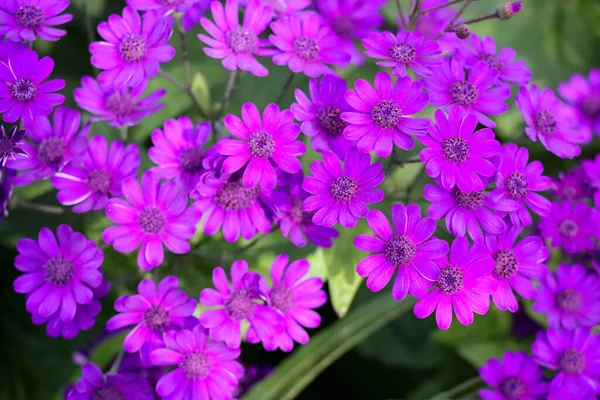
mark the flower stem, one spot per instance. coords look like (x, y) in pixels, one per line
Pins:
(472, 21)
(460, 388)
(123, 131)
(229, 89)
(441, 6)
(413, 184)
(416, 14)
(186, 89)
(89, 28)
(185, 53)
(114, 368)
(45, 208)
(400, 12)
(286, 87)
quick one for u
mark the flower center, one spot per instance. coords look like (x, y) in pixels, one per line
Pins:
(572, 362)
(6, 148)
(386, 114)
(516, 184)
(51, 150)
(151, 220)
(569, 192)
(492, 61)
(330, 121)
(568, 300)
(261, 144)
(512, 388)
(297, 212)
(400, 250)
(242, 40)
(590, 106)
(343, 26)
(196, 365)
(99, 181)
(463, 93)
(29, 16)
(545, 122)
(156, 318)
(403, 53)
(240, 305)
(23, 90)
(307, 49)
(451, 280)
(507, 263)
(456, 149)
(281, 298)
(58, 270)
(190, 160)
(133, 48)
(469, 201)
(236, 196)
(108, 392)
(120, 104)
(343, 188)
(568, 228)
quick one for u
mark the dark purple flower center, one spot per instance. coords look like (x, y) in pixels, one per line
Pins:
(386, 114)
(261, 144)
(463, 93)
(568, 300)
(330, 121)
(151, 220)
(451, 280)
(306, 48)
(343, 26)
(512, 388)
(242, 40)
(156, 318)
(297, 213)
(456, 149)
(281, 298)
(196, 365)
(7, 147)
(108, 392)
(493, 61)
(469, 201)
(120, 104)
(507, 263)
(236, 196)
(403, 53)
(58, 270)
(133, 48)
(23, 90)
(29, 16)
(568, 227)
(590, 106)
(516, 185)
(545, 122)
(343, 188)
(240, 305)
(51, 150)
(400, 250)
(190, 160)
(569, 192)
(99, 181)
(572, 362)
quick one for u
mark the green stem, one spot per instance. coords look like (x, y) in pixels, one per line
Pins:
(400, 12)
(479, 19)
(123, 132)
(441, 6)
(412, 186)
(114, 368)
(184, 53)
(187, 89)
(229, 89)
(45, 208)
(416, 14)
(458, 389)
(286, 87)
(89, 28)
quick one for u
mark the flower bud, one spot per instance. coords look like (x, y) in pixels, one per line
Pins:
(508, 10)
(463, 31)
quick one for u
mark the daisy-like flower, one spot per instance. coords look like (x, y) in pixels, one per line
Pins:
(381, 115)
(321, 114)
(449, 87)
(517, 264)
(591, 169)
(573, 184)
(154, 214)
(87, 185)
(94, 385)
(178, 151)
(23, 92)
(403, 51)
(162, 6)
(58, 274)
(133, 47)
(433, 24)
(464, 285)
(262, 145)
(25, 19)
(458, 154)
(237, 44)
(7, 178)
(575, 354)
(10, 144)
(53, 146)
(584, 96)
(305, 45)
(120, 106)
(570, 298)
(550, 121)
(204, 369)
(516, 377)
(8, 47)
(342, 194)
(236, 305)
(294, 297)
(194, 14)
(410, 250)
(571, 226)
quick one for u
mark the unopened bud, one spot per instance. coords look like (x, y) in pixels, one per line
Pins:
(508, 10)
(463, 31)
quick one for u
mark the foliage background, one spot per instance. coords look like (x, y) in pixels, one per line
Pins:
(409, 358)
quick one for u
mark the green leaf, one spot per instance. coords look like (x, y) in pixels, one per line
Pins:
(201, 89)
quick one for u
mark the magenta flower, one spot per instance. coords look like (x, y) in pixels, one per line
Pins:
(7, 178)
(433, 24)
(410, 250)
(571, 226)
(517, 264)
(381, 116)
(591, 177)
(94, 385)
(573, 185)
(8, 48)
(305, 45)
(203, 369)
(161, 6)
(264, 143)
(458, 154)
(570, 298)
(154, 214)
(25, 19)
(23, 92)
(405, 50)
(283, 8)
(193, 14)
(10, 144)
(584, 96)
(449, 87)
(133, 47)
(237, 44)
(342, 194)
(118, 106)
(464, 285)
(550, 121)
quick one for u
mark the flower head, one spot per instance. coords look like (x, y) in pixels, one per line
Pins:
(7, 178)
(10, 144)
(161, 6)
(570, 225)
(94, 385)
(584, 96)
(433, 24)
(194, 14)
(8, 47)
(508, 10)
(26, 19)
(573, 184)
(591, 169)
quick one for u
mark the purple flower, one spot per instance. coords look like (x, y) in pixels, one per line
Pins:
(94, 385)
(53, 146)
(7, 178)
(25, 19)
(405, 50)
(23, 92)
(120, 106)
(321, 114)
(458, 154)
(570, 225)
(550, 121)
(161, 6)
(464, 285)
(305, 45)
(342, 194)
(584, 96)
(381, 116)
(234, 43)
(264, 143)
(294, 298)
(8, 47)
(10, 144)
(575, 354)
(570, 298)
(203, 369)
(516, 265)
(573, 185)
(484, 49)
(450, 88)
(517, 376)
(133, 47)
(410, 250)
(283, 8)
(434, 23)
(591, 177)
(88, 185)
(154, 214)
(243, 303)
(192, 15)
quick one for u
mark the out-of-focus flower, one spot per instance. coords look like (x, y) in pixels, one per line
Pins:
(25, 19)
(94, 385)
(584, 96)
(10, 144)
(571, 226)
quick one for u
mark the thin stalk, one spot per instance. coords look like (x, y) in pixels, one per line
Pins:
(460, 388)
(402, 162)
(286, 87)
(184, 88)
(89, 28)
(441, 6)
(114, 368)
(123, 132)
(400, 12)
(416, 14)
(45, 208)
(185, 53)
(479, 19)
(229, 89)
(412, 186)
